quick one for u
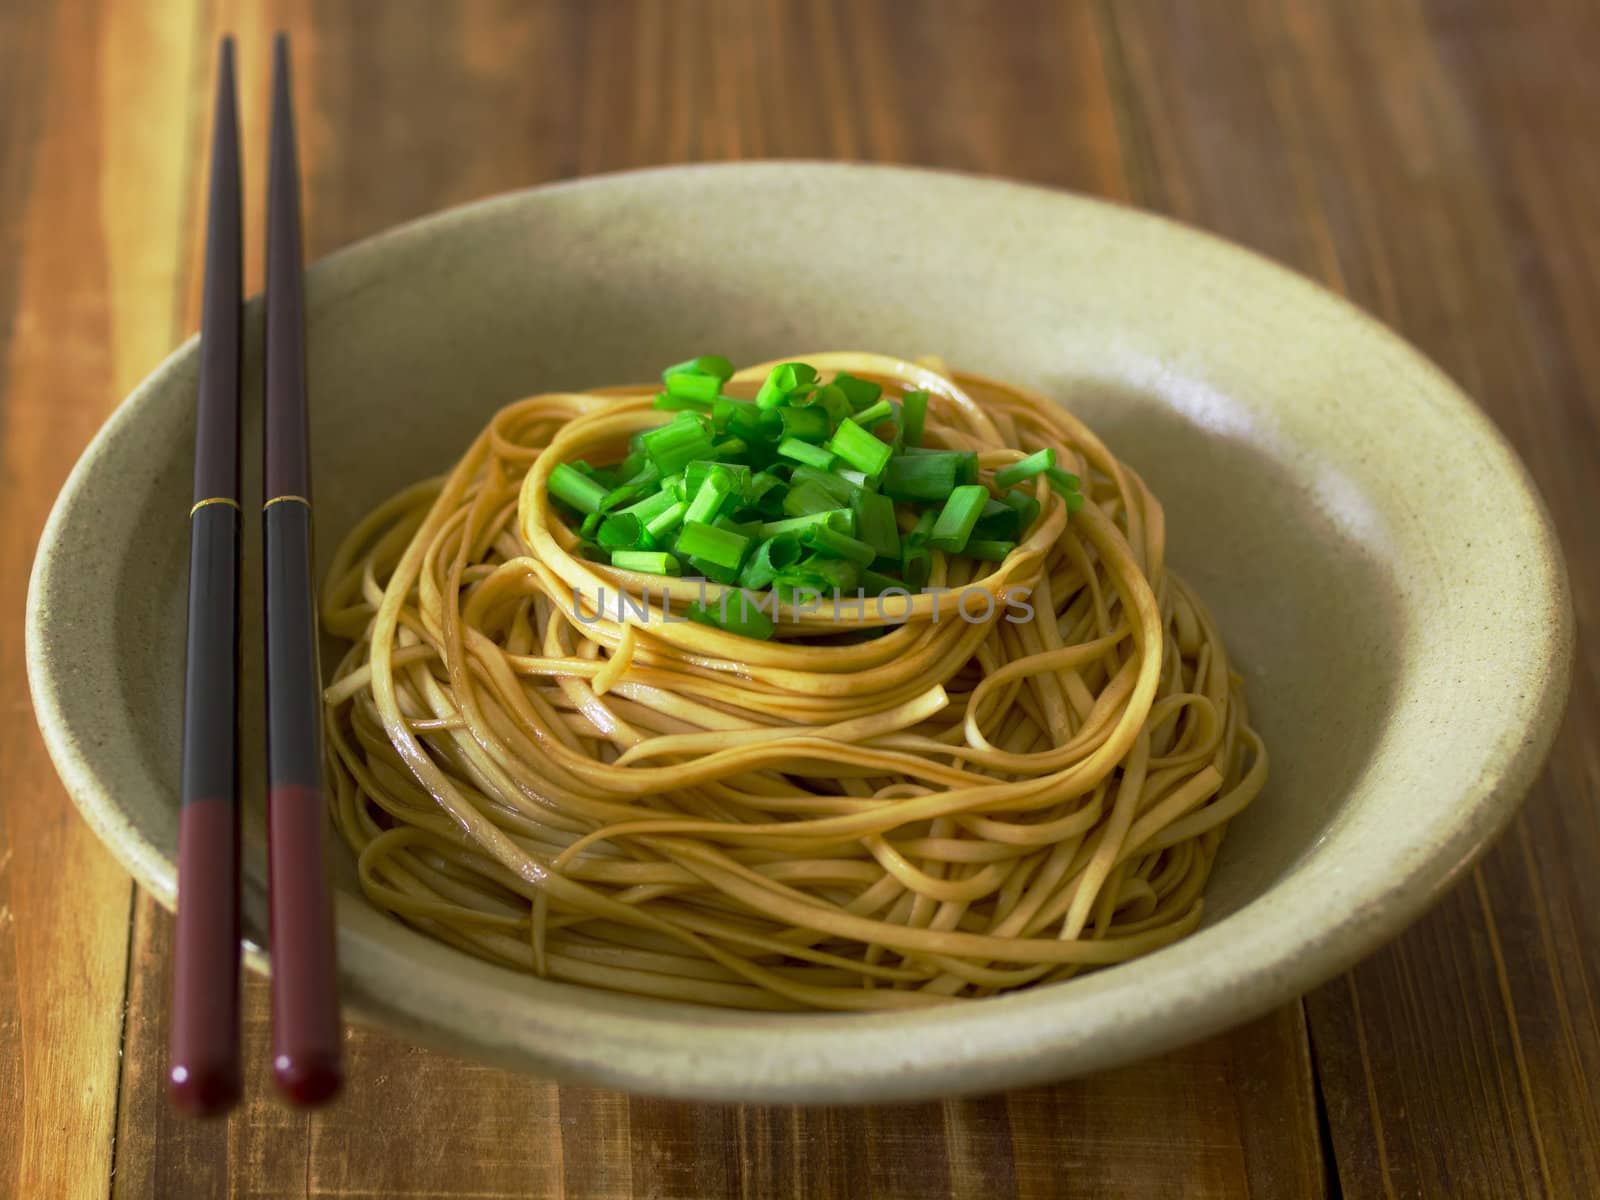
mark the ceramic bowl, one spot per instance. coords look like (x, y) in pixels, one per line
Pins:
(1377, 558)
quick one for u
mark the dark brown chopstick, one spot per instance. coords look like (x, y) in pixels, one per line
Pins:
(305, 1000)
(204, 1067)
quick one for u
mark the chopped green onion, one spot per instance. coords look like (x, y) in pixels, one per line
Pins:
(839, 574)
(796, 491)
(923, 529)
(860, 392)
(916, 564)
(875, 583)
(648, 561)
(956, 519)
(735, 613)
(833, 544)
(876, 524)
(870, 416)
(696, 473)
(668, 519)
(841, 519)
(771, 556)
(807, 424)
(832, 482)
(805, 452)
(629, 468)
(1036, 463)
(736, 416)
(741, 614)
(677, 444)
(769, 495)
(783, 380)
(987, 550)
(806, 498)
(715, 486)
(713, 365)
(651, 506)
(997, 522)
(620, 532)
(829, 399)
(913, 415)
(700, 541)
(858, 448)
(823, 576)
(920, 477)
(573, 487)
(1027, 508)
(667, 402)
(628, 492)
(761, 483)
(1061, 482)
(714, 571)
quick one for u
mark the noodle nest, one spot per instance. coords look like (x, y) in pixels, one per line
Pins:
(1021, 773)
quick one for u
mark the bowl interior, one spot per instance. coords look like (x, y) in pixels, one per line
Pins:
(1312, 469)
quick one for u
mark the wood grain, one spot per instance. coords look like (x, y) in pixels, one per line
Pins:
(91, 235)
(1433, 159)
(1449, 194)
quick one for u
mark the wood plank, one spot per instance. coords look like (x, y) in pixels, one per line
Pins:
(1440, 179)
(1228, 1117)
(90, 234)
(537, 93)
(22, 107)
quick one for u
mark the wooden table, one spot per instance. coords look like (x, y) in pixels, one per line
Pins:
(1435, 160)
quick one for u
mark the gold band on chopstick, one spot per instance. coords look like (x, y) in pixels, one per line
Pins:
(214, 500)
(281, 499)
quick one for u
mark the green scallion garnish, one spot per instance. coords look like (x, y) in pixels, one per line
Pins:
(805, 452)
(795, 492)
(713, 365)
(650, 562)
(920, 478)
(913, 414)
(572, 486)
(677, 444)
(855, 446)
(986, 550)
(700, 541)
(833, 544)
(860, 392)
(956, 519)
(1036, 463)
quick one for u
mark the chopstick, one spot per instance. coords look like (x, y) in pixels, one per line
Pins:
(203, 1073)
(305, 1001)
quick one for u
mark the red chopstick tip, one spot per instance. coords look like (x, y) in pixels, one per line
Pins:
(308, 1078)
(204, 1093)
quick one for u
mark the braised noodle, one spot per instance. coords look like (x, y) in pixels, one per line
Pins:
(827, 820)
